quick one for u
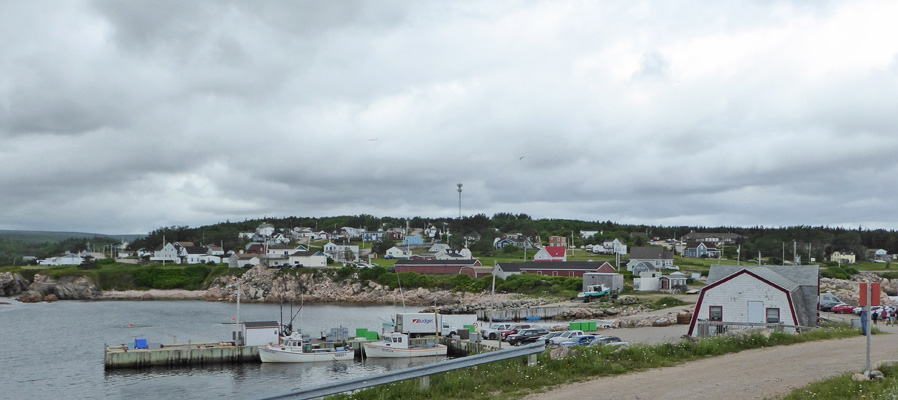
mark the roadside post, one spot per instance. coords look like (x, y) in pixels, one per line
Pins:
(869, 296)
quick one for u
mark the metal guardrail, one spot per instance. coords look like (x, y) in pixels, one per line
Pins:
(714, 328)
(415, 372)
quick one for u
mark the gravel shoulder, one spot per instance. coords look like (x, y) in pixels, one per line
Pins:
(751, 374)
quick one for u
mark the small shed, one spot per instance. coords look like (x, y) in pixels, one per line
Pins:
(261, 333)
(614, 281)
(673, 283)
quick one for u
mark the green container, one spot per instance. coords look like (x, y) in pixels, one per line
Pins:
(361, 332)
(593, 326)
(575, 326)
(372, 336)
(470, 328)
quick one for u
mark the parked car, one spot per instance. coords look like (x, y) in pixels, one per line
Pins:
(548, 337)
(584, 340)
(567, 336)
(513, 330)
(494, 331)
(612, 341)
(526, 336)
(842, 309)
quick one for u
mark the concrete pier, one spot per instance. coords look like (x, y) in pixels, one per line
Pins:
(196, 354)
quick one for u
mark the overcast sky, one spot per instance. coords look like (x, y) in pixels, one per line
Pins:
(126, 116)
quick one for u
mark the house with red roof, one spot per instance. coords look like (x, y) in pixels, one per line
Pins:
(551, 253)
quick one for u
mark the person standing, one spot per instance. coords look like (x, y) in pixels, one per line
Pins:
(875, 316)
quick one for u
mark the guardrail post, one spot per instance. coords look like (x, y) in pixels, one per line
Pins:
(531, 360)
(424, 382)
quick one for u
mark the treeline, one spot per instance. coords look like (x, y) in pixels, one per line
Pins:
(12, 251)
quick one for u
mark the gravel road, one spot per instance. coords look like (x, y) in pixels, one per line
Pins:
(752, 374)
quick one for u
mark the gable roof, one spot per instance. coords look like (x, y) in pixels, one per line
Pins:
(435, 263)
(536, 265)
(799, 281)
(555, 251)
(650, 253)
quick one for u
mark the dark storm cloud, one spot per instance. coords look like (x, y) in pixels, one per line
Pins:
(123, 117)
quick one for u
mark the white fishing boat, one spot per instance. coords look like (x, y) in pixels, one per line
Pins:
(396, 345)
(294, 349)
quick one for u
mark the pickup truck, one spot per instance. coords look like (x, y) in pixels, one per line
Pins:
(526, 336)
(597, 292)
(514, 329)
(493, 332)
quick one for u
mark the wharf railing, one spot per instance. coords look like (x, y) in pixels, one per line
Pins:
(422, 372)
(717, 328)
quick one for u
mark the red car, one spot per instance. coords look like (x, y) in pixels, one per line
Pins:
(842, 309)
(514, 330)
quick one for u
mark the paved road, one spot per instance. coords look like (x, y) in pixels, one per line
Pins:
(752, 374)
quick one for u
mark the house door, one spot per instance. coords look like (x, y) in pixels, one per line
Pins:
(756, 311)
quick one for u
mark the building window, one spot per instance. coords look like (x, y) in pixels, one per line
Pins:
(715, 313)
(773, 315)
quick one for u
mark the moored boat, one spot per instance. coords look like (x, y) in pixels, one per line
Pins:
(396, 345)
(294, 349)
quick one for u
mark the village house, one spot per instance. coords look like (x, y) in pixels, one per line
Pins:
(606, 276)
(243, 260)
(715, 238)
(557, 241)
(701, 250)
(518, 240)
(66, 259)
(657, 257)
(588, 234)
(342, 252)
(786, 295)
(675, 283)
(610, 247)
(843, 257)
(395, 252)
(413, 240)
(554, 254)
(307, 259)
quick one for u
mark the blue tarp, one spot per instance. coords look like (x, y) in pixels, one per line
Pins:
(140, 344)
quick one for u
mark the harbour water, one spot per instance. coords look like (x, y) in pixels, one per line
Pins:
(55, 350)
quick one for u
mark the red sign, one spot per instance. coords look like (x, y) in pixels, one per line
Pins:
(875, 289)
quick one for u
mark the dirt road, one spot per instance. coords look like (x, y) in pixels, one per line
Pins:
(752, 374)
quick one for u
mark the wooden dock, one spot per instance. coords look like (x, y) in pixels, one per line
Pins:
(175, 355)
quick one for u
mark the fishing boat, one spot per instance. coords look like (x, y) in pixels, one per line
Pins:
(295, 349)
(396, 345)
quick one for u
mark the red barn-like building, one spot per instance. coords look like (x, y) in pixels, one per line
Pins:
(472, 268)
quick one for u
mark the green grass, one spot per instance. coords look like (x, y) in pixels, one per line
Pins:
(512, 379)
(666, 302)
(842, 387)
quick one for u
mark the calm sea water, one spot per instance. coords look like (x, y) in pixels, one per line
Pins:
(55, 350)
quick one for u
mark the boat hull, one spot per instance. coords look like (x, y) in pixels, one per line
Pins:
(380, 351)
(288, 356)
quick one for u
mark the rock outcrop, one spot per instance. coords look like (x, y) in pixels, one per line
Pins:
(12, 284)
(68, 288)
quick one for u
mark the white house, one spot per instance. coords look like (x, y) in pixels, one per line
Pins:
(550, 253)
(588, 234)
(395, 252)
(265, 229)
(67, 259)
(342, 252)
(169, 252)
(759, 294)
(648, 281)
(613, 247)
(432, 232)
(308, 259)
(656, 256)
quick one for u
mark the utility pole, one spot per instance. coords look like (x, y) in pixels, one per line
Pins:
(459, 201)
